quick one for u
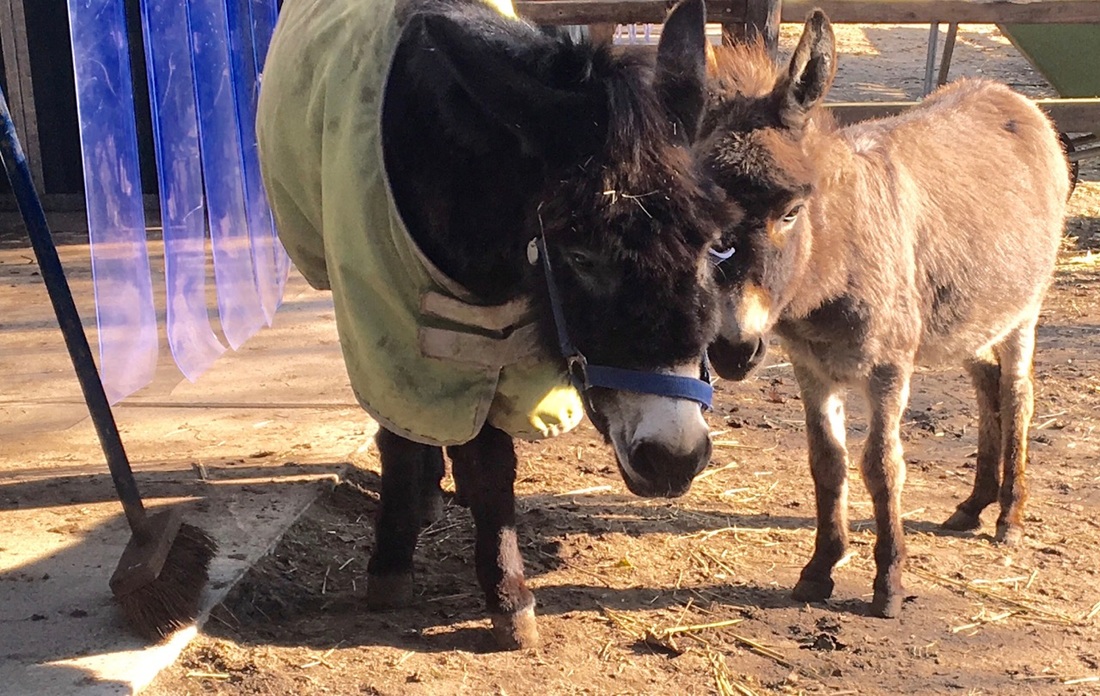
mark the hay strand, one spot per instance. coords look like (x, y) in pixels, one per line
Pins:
(1034, 612)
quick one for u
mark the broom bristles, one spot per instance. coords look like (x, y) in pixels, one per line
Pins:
(159, 608)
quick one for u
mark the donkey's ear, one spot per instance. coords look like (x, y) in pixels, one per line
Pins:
(682, 65)
(523, 80)
(811, 71)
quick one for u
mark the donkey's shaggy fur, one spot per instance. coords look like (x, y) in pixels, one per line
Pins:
(495, 133)
(916, 240)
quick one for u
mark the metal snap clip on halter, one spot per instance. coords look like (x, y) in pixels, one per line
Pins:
(577, 366)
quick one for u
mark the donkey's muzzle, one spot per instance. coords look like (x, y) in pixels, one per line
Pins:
(736, 361)
(660, 473)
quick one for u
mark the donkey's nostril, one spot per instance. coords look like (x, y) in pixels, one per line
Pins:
(702, 455)
(736, 361)
(645, 460)
(660, 472)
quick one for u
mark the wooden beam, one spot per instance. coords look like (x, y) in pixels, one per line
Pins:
(839, 11)
(20, 94)
(928, 11)
(621, 11)
(1070, 115)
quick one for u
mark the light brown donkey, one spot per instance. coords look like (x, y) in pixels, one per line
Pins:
(916, 240)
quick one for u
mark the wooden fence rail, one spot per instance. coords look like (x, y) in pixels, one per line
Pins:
(840, 11)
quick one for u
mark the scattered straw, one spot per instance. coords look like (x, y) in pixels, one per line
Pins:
(1081, 680)
(1032, 611)
(1068, 681)
(1001, 581)
(718, 562)
(579, 569)
(733, 443)
(722, 681)
(194, 674)
(733, 530)
(846, 559)
(584, 491)
(1086, 259)
(662, 637)
(605, 650)
(322, 660)
(712, 472)
(1087, 616)
(666, 639)
(981, 620)
(1031, 579)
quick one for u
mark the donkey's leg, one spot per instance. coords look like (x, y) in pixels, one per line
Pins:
(485, 470)
(883, 468)
(1016, 352)
(389, 572)
(824, 406)
(985, 372)
(431, 493)
(462, 479)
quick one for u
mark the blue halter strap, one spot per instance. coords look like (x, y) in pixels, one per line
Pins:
(585, 376)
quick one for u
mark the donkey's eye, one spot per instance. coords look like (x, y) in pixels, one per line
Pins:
(581, 259)
(792, 214)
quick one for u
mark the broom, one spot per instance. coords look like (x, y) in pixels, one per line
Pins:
(161, 575)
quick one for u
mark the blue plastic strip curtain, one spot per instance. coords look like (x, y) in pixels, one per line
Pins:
(179, 171)
(239, 303)
(112, 182)
(264, 14)
(260, 227)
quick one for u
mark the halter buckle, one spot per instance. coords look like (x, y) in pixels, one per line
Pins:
(577, 365)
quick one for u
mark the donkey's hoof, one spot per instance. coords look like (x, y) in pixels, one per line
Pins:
(516, 631)
(812, 590)
(386, 592)
(1009, 534)
(886, 605)
(962, 521)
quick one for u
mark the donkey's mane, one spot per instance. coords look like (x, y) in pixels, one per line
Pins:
(744, 68)
(645, 165)
(744, 73)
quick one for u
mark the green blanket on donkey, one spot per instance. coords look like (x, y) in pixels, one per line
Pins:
(423, 357)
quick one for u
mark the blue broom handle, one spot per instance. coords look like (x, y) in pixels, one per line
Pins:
(15, 164)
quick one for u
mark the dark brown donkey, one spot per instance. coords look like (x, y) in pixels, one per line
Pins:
(916, 240)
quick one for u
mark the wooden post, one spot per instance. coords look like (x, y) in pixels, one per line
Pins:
(762, 20)
(601, 33)
(17, 65)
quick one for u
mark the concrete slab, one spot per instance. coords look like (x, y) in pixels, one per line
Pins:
(62, 633)
(244, 450)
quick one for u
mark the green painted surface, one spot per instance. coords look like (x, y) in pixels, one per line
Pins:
(1068, 55)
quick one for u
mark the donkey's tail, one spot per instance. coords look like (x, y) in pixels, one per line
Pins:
(1074, 167)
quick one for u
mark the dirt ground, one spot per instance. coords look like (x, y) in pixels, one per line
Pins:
(614, 575)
